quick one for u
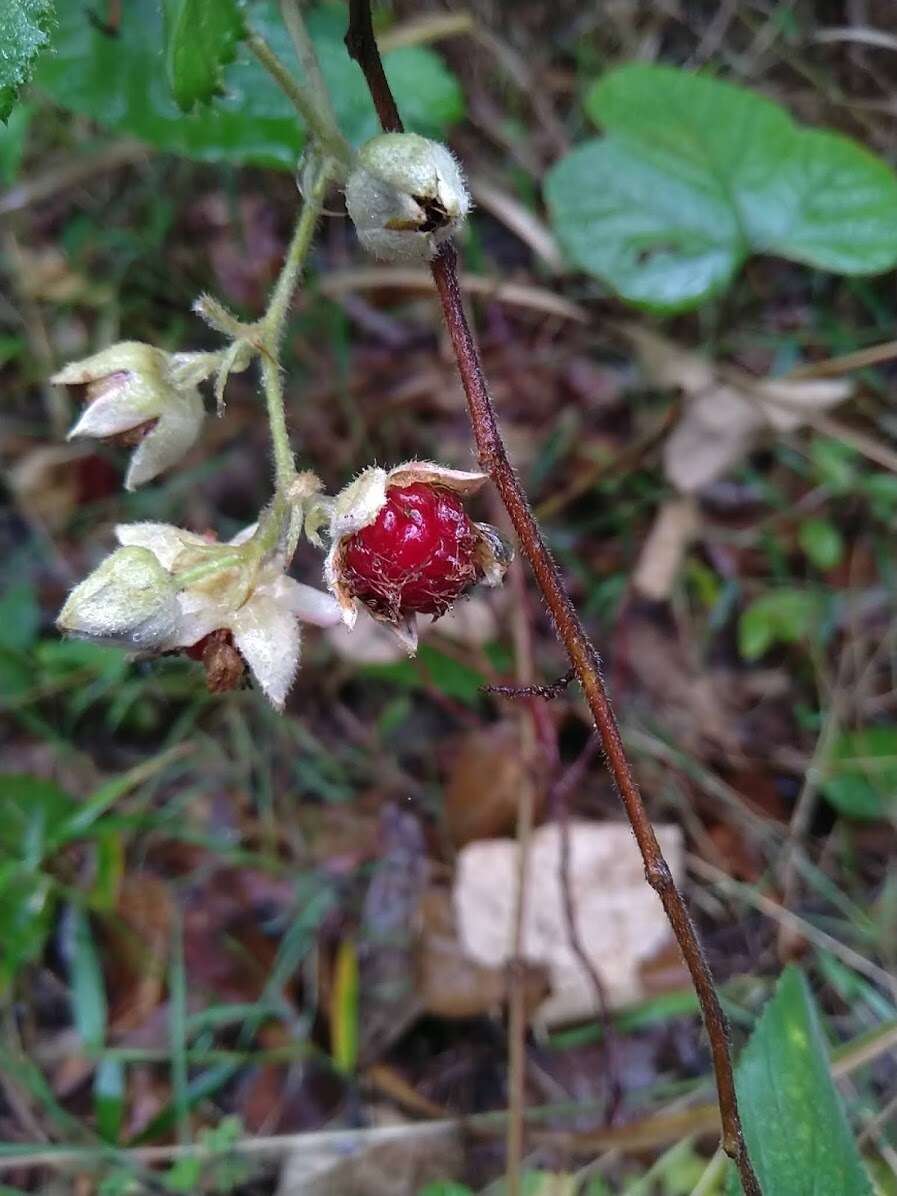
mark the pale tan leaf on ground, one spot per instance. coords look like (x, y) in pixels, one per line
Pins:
(675, 526)
(715, 431)
(787, 404)
(388, 1161)
(620, 919)
(473, 621)
(726, 409)
(368, 642)
(664, 363)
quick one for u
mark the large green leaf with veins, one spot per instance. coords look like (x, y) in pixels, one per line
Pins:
(694, 175)
(121, 82)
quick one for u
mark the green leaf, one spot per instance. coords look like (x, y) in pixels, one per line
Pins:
(109, 1098)
(862, 778)
(694, 175)
(344, 1008)
(835, 463)
(782, 616)
(33, 813)
(27, 904)
(24, 32)
(795, 1127)
(445, 1187)
(16, 674)
(539, 1183)
(59, 658)
(202, 37)
(108, 868)
(432, 669)
(19, 616)
(120, 83)
(89, 1007)
(755, 633)
(12, 149)
(822, 542)
(881, 490)
(854, 796)
(184, 1175)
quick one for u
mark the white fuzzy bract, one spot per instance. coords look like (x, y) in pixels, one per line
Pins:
(262, 610)
(129, 385)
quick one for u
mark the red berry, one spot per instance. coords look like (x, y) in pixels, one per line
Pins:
(417, 555)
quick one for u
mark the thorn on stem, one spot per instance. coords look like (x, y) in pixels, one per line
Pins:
(548, 693)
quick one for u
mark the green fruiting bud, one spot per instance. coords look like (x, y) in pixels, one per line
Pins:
(129, 599)
(406, 194)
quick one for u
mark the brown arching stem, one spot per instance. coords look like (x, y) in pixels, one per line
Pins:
(362, 46)
(587, 665)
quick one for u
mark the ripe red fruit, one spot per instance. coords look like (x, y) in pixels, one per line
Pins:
(417, 555)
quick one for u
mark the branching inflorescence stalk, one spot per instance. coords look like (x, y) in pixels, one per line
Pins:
(583, 656)
(331, 155)
(279, 524)
(271, 326)
(316, 112)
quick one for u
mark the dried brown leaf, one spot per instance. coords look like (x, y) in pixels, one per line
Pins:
(388, 999)
(453, 984)
(138, 943)
(47, 274)
(487, 776)
(698, 708)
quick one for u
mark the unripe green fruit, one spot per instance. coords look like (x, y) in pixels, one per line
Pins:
(406, 194)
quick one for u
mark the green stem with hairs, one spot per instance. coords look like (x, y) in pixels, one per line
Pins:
(271, 328)
(312, 103)
(216, 564)
(291, 11)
